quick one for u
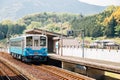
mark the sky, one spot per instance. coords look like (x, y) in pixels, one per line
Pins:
(102, 2)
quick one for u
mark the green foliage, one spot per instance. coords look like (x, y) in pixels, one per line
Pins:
(34, 25)
(53, 27)
(8, 28)
(102, 24)
(49, 21)
(89, 24)
(110, 30)
(117, 29)
(47, 18)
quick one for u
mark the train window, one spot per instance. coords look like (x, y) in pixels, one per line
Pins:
(16, 43)
(11, 43)
(42, 41)
(29, 41)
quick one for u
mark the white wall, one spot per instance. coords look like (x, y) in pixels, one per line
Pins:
(100, 54)
(4, 50)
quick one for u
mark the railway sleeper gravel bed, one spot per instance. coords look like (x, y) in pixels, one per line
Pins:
(8, 72)
(63, 74)
(42, 73)
(19, 70)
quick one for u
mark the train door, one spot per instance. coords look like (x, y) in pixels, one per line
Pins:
(23, 45)
(36, 42)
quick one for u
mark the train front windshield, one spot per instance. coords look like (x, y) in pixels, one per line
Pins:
(35, 42)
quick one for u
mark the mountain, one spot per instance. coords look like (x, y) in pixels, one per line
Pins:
(14, 9)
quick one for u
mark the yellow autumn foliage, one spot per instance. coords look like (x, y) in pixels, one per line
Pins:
(115, 14)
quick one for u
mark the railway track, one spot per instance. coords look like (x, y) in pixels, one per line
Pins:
(34, 72)
(7, 72)
(60, 74)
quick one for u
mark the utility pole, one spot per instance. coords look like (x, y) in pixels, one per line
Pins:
(82, 43)
(61, 39)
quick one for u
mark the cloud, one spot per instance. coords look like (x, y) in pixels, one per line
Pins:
(102, 2)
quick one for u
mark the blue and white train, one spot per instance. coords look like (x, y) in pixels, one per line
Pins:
(29, 48)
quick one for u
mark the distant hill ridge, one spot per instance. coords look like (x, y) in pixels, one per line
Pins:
(16, 9)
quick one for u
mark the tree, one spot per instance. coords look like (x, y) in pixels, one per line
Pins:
(3, 31)
(97, 31)
(34, 25)
(117, 29)
(53, 27)
(7, 28)
(110, 29)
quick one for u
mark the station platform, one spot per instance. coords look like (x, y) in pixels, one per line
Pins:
(98, 64)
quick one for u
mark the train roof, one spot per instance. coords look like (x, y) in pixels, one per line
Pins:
(25, 35)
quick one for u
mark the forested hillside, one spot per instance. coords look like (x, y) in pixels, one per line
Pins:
(106, 23)
(9, 28)
(50, 21)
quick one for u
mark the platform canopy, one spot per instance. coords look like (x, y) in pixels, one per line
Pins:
(41, 31)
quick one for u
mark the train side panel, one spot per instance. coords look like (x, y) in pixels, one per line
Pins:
(16, 47)
(17, 50)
